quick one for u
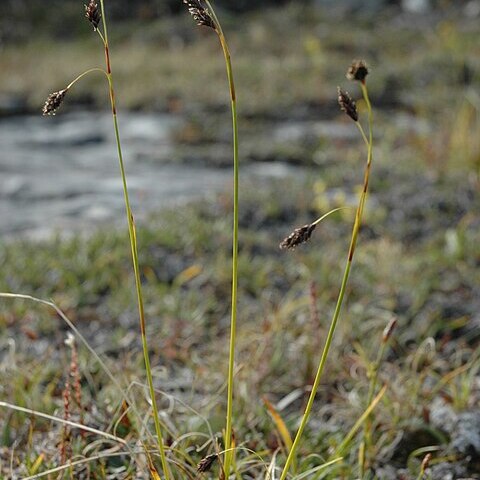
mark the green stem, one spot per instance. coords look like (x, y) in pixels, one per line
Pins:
(374, 371)
(323, 217)
(229, 452)
(134, 252)
(341, 295)
(233, 324)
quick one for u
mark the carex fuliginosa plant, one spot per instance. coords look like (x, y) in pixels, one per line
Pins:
(358, 72)
(95, 14)
(204, 14)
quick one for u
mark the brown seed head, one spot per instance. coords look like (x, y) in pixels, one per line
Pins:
(347, 104)
(426, 461)
(206, 463)
(297, 237)
(387, 332)
(93, 14)
(200, 13)
(53, 102)
(358, 70)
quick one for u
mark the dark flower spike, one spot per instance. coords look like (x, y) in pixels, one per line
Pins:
(54, 101)
(358, 70)
(298, 236)
(92, 13)
(200, 13)
(347, 104)
(206, 463)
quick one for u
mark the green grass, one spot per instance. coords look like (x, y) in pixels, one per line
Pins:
(89, 277)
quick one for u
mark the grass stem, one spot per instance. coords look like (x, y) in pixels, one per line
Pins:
(341, 295)
(84, 74)
(134, 252)
(229, 452)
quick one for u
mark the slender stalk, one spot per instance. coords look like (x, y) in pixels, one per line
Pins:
(84, 74)
(341, 295)
(233, 323)
(229, 452)
(80, 426)
(134, 251)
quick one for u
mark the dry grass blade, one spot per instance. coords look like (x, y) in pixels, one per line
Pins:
(83, 461)
(280, 424)
(62, 421)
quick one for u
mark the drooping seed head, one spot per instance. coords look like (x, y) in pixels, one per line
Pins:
(200, 13)
(206, 463)
(297, 237)
(93, 14)
(387, 332)
(358, 70)
(426, 461)
(53, 102)
(347, 104)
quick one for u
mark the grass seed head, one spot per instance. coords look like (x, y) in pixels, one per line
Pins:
(387, 332)
(54, 101)
(358, 70)
(206, 463)
(426, 461)
(297, 237)
(92, 13)
(200, 13)
(347, 104)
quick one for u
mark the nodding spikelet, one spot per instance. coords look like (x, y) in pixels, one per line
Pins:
(358, 70)
(206, 463)
(387, 332)
(297, 237)
(200, 13)
(54, 101)
(92, 13)
(347, 104)
(426, 461)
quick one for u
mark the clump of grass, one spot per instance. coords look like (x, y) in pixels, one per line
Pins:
(358, 71)
(373, 375)
(204, 15)
(95, 14)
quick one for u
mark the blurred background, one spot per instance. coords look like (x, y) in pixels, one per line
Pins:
(63, 230)
(288, 59)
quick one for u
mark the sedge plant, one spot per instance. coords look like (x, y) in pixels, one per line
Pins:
(204, 15)
(358, 71)
(95, 14)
